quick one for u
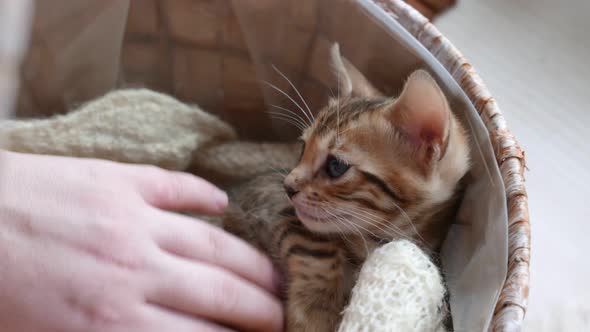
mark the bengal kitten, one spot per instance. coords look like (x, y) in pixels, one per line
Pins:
(372, 169)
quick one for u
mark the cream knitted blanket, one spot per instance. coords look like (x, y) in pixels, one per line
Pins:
(399, 288)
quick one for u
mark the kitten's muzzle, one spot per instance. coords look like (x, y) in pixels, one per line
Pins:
(290, 191)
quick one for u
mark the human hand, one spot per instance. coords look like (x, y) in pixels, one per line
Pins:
(89, 245)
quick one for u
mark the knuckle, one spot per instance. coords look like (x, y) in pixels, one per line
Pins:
(226, 295)
(215, 244)
(176, 184)
(110, 203)
(98, 197)
(103, 227)
(117, 244)
(101, 317)
(100, 171)
(107, 223)
(107, 205)
(170, 188)
(100, 312)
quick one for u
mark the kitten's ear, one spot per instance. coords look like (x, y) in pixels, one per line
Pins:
(422, 112)
(351, 82)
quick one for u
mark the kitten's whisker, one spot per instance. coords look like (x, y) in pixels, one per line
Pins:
(282, 169)
(363, 228)
(338, 112)
(409, 220)
(387, 230)
(288, 120)
(291, 99)
(383, 221)
(298, 120)
(362, 212)
(386, 224)
(294, 88)
(340, 231)
(332, 92)
(354, 227)
(345, 130)
(402, 212)
(399, 231)
(296, 126)
(303, 125)
(252, 212)
(284, 172)
(290, 112)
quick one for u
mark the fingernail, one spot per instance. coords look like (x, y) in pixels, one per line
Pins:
(220, 198)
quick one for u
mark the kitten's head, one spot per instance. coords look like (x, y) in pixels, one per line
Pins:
(371, 163)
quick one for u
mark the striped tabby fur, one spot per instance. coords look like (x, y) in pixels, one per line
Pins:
(373, 169)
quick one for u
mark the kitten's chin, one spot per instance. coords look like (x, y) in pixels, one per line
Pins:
(323, 227)
(328, 223)
(315, 219)
(316, 222)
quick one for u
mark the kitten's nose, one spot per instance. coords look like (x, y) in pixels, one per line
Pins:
(290, 191)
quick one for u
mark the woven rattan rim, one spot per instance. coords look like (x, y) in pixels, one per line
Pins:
(512, 303)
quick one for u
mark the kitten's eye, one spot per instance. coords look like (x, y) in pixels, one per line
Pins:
(336, 167)
(302, 150)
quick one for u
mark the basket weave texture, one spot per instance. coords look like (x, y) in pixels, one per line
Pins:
(170, 46)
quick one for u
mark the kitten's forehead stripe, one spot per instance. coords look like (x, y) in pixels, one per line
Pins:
(342, 114)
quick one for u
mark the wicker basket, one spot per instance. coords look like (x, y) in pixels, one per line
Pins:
(171, 45)
(511, 307)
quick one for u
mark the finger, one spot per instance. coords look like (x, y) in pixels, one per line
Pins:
(198, 241)
(176, 190)
(214, 294)
(158, 319)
